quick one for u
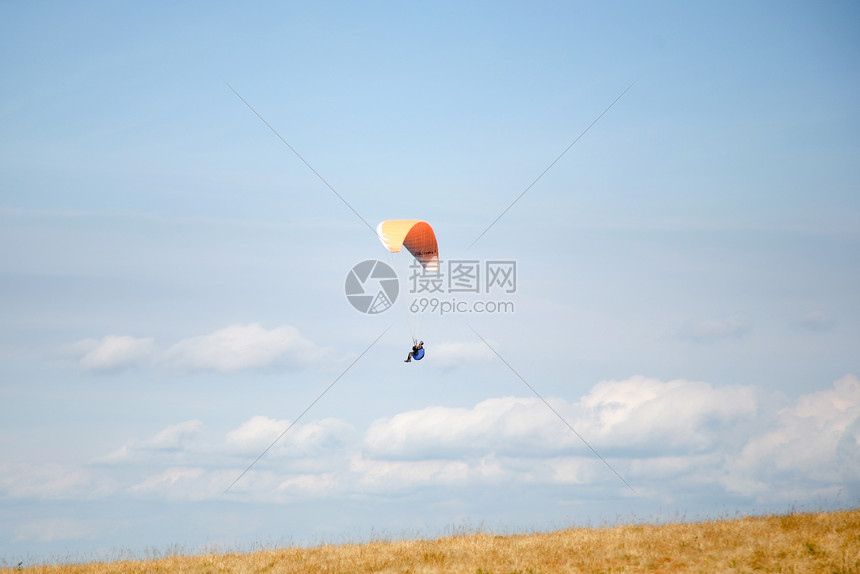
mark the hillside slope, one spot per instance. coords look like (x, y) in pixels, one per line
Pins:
(814, 542)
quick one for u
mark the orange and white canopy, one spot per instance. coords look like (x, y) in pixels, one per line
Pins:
(415, 235)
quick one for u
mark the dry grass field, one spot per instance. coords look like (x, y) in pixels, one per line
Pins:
(814, 542)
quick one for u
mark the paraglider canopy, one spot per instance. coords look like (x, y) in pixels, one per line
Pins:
(420, 240)
(415, 235)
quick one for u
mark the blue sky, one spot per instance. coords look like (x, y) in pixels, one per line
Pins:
(172, 276)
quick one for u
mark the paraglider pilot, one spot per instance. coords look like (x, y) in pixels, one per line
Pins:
(416, 353)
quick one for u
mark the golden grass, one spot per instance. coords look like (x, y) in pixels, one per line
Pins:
(810, 542)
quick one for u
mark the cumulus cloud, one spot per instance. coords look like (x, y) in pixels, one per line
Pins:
(175, 441)
(489, 471)
(228, 350)
(315, 485)
(191, 444)
(652, 417)
(667, 438)
(114, 352)
(168, 481)
(640, 415)
(713, 330)
(504, 424)
(387, 476)
(175, 437)
(241, 347)
(816, 443)
(256, 434)
(52, 481)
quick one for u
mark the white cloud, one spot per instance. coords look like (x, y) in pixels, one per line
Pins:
(489, 471)
(312, 484)
(175, 443)
(256, 434)
(501, 424)
(639, 416)
(228, 350)
(175, 436)
(172, 480)
(114, 352)
(241, 347)
(52, 481)
(669, 439)
(816, 443)
(649, 416)
(393, 476)
(190, 443)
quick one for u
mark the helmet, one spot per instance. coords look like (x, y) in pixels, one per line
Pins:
(420, 342)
